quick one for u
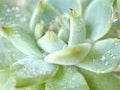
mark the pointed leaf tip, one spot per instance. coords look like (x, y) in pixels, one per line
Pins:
(69, 56)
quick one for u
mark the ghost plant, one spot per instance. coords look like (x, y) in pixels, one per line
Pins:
(59, 45)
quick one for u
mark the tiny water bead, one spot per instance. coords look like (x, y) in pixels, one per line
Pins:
(103, 58)
(11, 14)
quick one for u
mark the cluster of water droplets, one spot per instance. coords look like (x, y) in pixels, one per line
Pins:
(11, 14)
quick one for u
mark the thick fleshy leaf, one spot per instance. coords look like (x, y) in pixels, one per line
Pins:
(8, 53)
(77, 29)
(9, 84)
(41, 12)
(12, 14)
(40, 30)
(50, 42)
(36, 87)
(30, 5)
(69, 56)
(103, 57)
(31, 70)
(107, 81)
(114, 31)
(63, 34)
(117, 68)
(67, 78)
(64, 6)
(99, 17)
(4, 75)
(22, 40)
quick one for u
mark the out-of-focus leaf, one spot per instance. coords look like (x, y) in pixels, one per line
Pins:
(22, 40)
(31, 70)
(43, 12)
(114, 31)
(67, 78)
(64, 6)
(103, 57)
(4, 75)
(107, 81)
(69, 56)
(8, 53)
(30, 5)
(12, 14)
(99, 18)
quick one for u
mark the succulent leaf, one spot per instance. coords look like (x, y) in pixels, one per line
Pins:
(50, 42)
(64, 6)
(69, 56)
(4, 75)
(63, 34)
(40, 30)
(77, 29)
(30, 5)
(105, 81)
(67, 78)
(99, 18)
(12, 14)
(59, 45)
(22, 41)
(32, 70)
(41, 12)
(8, 54)
(103, 57)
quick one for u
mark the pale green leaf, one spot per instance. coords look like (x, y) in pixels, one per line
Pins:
(107, 81)
(31, 70)
(69, 56)
(99, 18)
(40, 30)
(22, 40)
(103, 57)
(50, 42)
(114, 31)
(8, 53)
(64, 6)
(67, 78)
(43, 12)
(30, 5)
(4, 75)
(77, 29)
(63, 34)
(12, 14)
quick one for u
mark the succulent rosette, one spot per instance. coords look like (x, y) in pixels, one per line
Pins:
(59, 45)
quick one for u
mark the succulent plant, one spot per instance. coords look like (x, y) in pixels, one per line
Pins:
(59, 45)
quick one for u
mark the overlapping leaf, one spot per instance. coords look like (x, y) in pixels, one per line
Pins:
(67, 78)
(99, 18)
(31, 70)
(69, 56)
(8, 53)
(12, 14)
(22, 40)
(107, 81)
(103, 57)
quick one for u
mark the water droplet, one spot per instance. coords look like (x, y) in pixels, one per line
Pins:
(108, 51)
(115, 19)
(116, 43)
(106, 63)
(93, 60)
(23, 19)
(103, 58)
(73, 78)
(8, 10)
